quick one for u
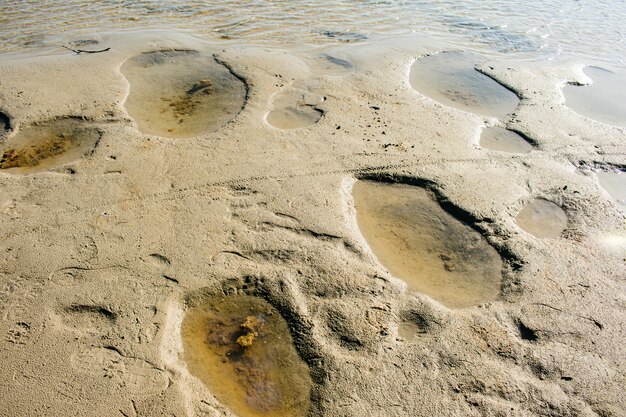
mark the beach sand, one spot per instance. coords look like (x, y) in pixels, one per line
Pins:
(103, 251)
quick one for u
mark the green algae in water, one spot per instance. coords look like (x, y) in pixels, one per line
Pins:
(240, 347)
(181, 93)
(48, 145)
(426, 247)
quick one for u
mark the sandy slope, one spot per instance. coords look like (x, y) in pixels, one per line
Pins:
(99, 254)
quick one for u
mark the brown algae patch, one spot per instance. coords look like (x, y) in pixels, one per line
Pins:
(504, 140)
(181, 93)
(241, 348)
(604, 100)
(47, 145)
(542, 218)
(450, 78)
(426, 247)
(293, 110)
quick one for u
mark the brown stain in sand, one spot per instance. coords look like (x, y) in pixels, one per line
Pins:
(181, 93)
(47, 145)
(240, 347)
(426, 247)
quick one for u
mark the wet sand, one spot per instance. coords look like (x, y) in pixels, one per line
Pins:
(109, 247)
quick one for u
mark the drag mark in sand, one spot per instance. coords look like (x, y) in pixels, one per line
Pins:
(42, 146)
(241, 348)
(181, 93)
(451, 79)
(542, 218)
(425, 246)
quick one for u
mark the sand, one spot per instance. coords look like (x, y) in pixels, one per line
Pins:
(102, 253)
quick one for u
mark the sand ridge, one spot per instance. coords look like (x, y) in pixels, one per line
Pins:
(98, 261)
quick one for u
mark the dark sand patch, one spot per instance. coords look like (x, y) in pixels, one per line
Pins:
(293, 110)
(47, 145)
(181, 93)
(504, 140)
(241, 348)
(542, 218)
(614, 183)
(5, 123)
(429, 249)
(450, 78)
(604, 100)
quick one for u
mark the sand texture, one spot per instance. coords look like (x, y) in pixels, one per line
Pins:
(109, 238)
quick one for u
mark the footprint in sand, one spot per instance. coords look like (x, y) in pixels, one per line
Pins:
(181, 93)
(504, 140)
(603, 100)
(293, 109)
(451, 79)
(542, 218)
(47, 145)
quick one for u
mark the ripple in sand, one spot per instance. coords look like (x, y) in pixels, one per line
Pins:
(542, 218)
(615, 184)
(429, 249)
(181, 93)
(450, 78)
(604, 100)
(47, 145)
(294, 109)
(504, 140)
(241, 348)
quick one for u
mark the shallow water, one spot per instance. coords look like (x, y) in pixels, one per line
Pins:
(430, 250)
(542, 218)
(603, 100)
(504, 140)
(526, 29)
(181, 93)
(294, 109)
(48, 145)
(615, 184)
(450, 78)
(241, 348)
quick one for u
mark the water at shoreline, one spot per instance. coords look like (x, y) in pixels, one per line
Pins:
(529, 30)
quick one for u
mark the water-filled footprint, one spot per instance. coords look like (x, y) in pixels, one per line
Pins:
(241, 348)
(293, 109)
(181, 93)
(504, 140)
(450, 78)
(604, 100)
(425, 246)
(46, 145)
(542, 218)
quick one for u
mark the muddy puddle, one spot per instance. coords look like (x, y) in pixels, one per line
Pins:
(426, 247)
(504, 140)
(450, 78)
(604, 100)
(240, 347)
(48, 145)
(542, 218)
(614, 183)
(181, 93)
(294, 109)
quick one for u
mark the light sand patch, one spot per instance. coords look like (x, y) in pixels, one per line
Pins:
(420, 243)
(181, 93)
(241, 348)
(603, 100)
(450, 78)
(542, 218)
(615, 184)
(504, 140)
(47, 145)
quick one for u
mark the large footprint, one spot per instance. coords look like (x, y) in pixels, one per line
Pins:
(181, 93)
(293, 109)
